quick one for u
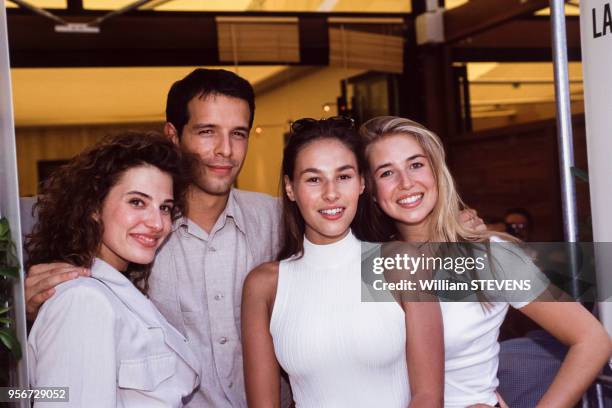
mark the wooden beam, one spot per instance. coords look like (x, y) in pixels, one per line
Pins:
(525, 39)
(150, 38)
(479, 15)
(124, 41)
(468, 54)
(75, 6)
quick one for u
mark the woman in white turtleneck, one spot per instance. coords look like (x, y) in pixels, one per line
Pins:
(305, 314)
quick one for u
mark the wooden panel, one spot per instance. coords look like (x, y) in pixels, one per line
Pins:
(363, 50)
(59, 142)
(273, 42)
(518, 167)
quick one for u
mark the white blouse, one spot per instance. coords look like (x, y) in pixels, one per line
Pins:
(108, 344)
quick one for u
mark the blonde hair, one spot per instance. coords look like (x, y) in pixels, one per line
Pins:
(444, 223)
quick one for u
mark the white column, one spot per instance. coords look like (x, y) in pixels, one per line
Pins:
(9, 192)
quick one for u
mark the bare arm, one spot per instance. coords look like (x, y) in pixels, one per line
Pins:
(425, 353)
(261, 369)
(589, 348)
(424, 330)
(41, 281)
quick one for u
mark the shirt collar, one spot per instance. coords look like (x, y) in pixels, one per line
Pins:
(232, 210)
(103, 271)
(125, 290)
(141, 306)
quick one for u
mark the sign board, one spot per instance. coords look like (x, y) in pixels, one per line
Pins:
(596, 40)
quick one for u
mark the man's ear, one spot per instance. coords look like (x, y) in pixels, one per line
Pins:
(288, 188)
(171, 133)
(361, 185)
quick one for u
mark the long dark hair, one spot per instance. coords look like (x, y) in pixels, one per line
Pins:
(66, 229)
(303, 132)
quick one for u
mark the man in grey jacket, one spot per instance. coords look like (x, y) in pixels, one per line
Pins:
(198, 274)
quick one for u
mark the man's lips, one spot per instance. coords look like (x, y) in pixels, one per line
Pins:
(220, 169)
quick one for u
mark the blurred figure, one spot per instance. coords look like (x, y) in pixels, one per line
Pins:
(519, 223)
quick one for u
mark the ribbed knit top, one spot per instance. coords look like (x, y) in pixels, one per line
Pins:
(337, 350)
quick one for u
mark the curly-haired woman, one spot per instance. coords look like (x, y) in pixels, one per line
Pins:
(109, 209)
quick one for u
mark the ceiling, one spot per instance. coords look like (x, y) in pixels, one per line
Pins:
(105, 95)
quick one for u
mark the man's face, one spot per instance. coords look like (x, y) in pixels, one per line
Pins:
(217, 133)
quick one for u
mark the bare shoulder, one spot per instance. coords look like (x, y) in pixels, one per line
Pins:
(262, 281)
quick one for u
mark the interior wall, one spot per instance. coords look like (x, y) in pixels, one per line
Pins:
(302, 96)
(518, 166)
(276, 108)
(60, 142)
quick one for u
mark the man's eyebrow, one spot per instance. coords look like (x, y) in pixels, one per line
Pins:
(242, 128)
(204, 125)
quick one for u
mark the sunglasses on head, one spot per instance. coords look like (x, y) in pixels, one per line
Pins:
(337, 121)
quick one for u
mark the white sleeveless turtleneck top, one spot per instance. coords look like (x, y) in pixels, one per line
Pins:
(337, 350)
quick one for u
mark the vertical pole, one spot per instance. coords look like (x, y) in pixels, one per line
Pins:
(564, 120)
(564, 135)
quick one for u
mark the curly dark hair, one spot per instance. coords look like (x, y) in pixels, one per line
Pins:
(67, 230)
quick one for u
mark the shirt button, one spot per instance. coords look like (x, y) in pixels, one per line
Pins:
(212, 249)
(223, 340)
(231, 384)
(218, 296)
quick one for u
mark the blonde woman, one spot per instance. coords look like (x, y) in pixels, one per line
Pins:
(414, 199)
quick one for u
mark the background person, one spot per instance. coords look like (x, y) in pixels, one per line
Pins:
(305, 312)
(414, 199)
(108, 210)
(519, 223)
